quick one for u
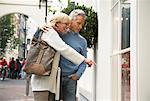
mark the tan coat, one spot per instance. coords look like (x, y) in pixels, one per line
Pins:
(48, 83)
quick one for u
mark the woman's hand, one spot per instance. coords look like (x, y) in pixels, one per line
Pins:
(89, 62)
(44, 28)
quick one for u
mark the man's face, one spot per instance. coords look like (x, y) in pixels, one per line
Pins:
(77, 23)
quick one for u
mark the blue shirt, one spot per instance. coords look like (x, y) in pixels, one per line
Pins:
(77, 42)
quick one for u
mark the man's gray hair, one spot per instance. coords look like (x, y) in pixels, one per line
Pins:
(77, 12)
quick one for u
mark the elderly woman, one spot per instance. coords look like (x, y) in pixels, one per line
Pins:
(45, 88)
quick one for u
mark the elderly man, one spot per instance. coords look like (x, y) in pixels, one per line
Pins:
(71, 72)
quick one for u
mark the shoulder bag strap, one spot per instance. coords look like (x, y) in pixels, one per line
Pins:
(40, 55)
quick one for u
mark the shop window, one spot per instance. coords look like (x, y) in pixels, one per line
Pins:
(125, 23)
(125, 57)
(121, 50)
(125, 79)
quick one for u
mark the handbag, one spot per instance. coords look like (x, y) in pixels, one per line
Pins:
(39, 57)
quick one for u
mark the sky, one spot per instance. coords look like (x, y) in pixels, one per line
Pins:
(57, 5)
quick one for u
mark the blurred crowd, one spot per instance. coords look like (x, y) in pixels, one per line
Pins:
(12, 69)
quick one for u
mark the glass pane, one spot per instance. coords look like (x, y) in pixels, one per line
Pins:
(125, 30)
(125, 80)
(115, 21)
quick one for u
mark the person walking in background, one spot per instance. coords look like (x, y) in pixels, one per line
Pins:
(44, 87)
(12, 67)
(23, 61)
(71, 72)
(3, 68)
(22, 74)
(3, 61)
(18, 69)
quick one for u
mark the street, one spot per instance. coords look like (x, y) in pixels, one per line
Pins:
(14, 90)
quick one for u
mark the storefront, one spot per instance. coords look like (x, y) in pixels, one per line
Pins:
(122, 71)
(123, 52)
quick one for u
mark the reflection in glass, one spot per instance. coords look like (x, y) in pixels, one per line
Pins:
(125, 82)
(125, 42)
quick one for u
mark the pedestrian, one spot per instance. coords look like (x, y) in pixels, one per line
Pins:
(3, 61)
(12, 67)
(3, 68)
(44, 87)
(18, 69)
(23, 74)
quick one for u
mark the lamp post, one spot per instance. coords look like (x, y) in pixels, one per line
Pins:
(24, 54)
(25, 34)
(0, 45)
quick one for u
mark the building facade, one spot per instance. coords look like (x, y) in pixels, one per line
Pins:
(122, 69)
(123, 52)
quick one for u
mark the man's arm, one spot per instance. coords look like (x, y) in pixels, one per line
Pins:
(82, 66)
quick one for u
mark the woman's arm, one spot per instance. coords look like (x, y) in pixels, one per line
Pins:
(54, 40)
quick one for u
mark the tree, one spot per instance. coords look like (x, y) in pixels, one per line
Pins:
(7, 30)
(90, 30)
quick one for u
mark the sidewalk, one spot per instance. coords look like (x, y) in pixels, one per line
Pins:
(14, 90)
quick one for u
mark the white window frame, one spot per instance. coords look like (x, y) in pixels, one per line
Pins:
(118, 52)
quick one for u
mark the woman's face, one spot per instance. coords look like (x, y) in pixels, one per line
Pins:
(62, 27)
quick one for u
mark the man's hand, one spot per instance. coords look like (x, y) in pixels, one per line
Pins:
(73, 77)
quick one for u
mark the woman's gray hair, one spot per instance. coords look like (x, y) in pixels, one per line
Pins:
(77, 12)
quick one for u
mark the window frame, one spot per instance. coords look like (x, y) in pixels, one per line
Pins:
(117, 53)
